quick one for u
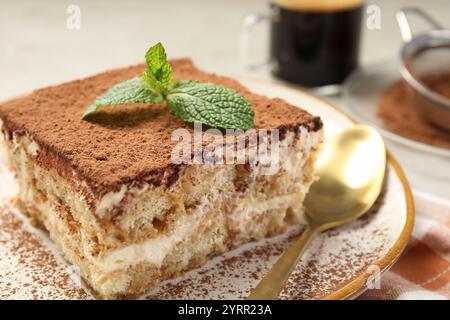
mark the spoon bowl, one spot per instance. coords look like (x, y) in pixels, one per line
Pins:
(351, 169)
(351, 172)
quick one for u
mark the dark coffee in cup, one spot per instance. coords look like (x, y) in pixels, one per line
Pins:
(315, 42)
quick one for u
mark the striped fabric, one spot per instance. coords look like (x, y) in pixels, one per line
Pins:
(423, 270)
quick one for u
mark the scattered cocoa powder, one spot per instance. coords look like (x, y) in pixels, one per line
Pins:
(313, 279)
(397, 108)
(28, 269)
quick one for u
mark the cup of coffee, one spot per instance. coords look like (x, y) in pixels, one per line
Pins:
(313, 43)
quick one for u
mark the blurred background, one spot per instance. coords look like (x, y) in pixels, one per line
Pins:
(38, 46)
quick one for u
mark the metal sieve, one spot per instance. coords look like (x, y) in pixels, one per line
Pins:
(424, 56)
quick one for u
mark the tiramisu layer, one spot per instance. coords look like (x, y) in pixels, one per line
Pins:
(118, 206)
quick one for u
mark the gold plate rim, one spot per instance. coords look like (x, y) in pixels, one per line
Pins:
(358, 285)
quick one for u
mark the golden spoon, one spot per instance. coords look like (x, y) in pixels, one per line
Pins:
(351, 171)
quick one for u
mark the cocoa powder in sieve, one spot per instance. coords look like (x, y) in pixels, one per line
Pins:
(397, 108)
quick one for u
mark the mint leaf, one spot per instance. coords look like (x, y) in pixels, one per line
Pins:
(210, 104)
(150, 80)
(129, 91)
(156, 57)
(158, 66)
(164, 74)
(192, 101)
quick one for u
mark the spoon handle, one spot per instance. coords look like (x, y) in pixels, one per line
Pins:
(273, 282)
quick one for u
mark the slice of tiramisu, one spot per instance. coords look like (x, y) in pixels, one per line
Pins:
(117, 204)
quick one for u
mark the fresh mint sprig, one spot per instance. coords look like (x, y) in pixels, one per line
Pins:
(135, 90)
(192, 101)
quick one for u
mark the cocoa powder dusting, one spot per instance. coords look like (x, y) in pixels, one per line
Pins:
(397, 108)
(439, 83)
(126, 143)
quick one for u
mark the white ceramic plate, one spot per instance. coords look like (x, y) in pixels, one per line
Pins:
(339, 264)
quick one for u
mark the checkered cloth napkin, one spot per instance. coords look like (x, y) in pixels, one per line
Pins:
(423, 270)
